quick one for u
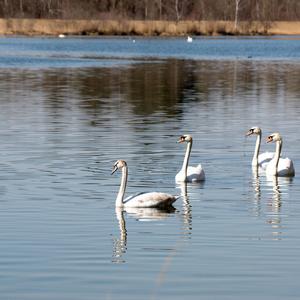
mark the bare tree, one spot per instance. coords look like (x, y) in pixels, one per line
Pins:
(237, 7)
(21, 7)
(233, 10)
(146, 9)
(160, 8)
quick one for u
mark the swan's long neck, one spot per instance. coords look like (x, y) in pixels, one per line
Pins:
(256, 150)
(120, 196)
(186, 158)
(277, 155)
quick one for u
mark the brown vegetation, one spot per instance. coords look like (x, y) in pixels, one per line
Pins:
(144, 28)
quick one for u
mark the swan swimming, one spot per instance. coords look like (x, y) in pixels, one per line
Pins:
(188, 173)
(153, 199)
(279, 166)
(259, 160)
(189, 39)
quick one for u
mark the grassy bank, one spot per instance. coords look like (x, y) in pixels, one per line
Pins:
(143, 28)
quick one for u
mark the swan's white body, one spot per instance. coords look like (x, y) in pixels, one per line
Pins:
(189, 39)
(188, 173)
(194, 174)
(153, 199)
(279, 166)
(264, 159)
(259, 160)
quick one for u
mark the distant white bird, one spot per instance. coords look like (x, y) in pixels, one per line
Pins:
(61, 36)
(188, 173)
(189, 39)
(153, 199)
(279, 166)
(259, 160)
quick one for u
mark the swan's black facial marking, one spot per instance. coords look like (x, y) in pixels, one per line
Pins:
(115, 167)
(270, 138)
(181, 139)
(250, 131)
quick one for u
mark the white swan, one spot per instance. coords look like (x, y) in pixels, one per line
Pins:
(187, 173)
(189, 39)
(153, 199)
(279, 166)
(259, 160)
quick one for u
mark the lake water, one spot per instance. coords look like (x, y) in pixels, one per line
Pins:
(69, 108)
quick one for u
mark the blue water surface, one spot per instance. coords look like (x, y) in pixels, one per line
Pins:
(69, 108)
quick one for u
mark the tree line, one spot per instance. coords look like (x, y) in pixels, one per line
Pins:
(172, 10)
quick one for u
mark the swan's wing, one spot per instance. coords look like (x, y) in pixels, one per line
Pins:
(195, 173)
(153, 199)
(265, 158)
(133, 196)
(285, 167)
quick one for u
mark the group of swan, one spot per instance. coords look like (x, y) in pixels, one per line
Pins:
(156, 199)
(271, 162)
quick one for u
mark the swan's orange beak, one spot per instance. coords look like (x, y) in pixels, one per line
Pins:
(269, 139)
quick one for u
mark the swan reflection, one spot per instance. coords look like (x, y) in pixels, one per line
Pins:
(279, 188)
(256, 183)
(274, 207)
(141, 214)
(276, 188)
(186, 209)
(120, 245)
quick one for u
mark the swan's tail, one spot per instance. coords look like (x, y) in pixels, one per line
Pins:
(291, 168)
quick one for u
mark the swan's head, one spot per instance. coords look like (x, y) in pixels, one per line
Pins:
(185, 138)
(253, 130)
(274, 137)
(119, 164)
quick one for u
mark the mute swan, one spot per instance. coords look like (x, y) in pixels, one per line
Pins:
(187, 173)
(153, 199)
(189, 39)
(279, 166)
(259, 160)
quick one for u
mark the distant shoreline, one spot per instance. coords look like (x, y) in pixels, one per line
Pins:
(54, 27)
